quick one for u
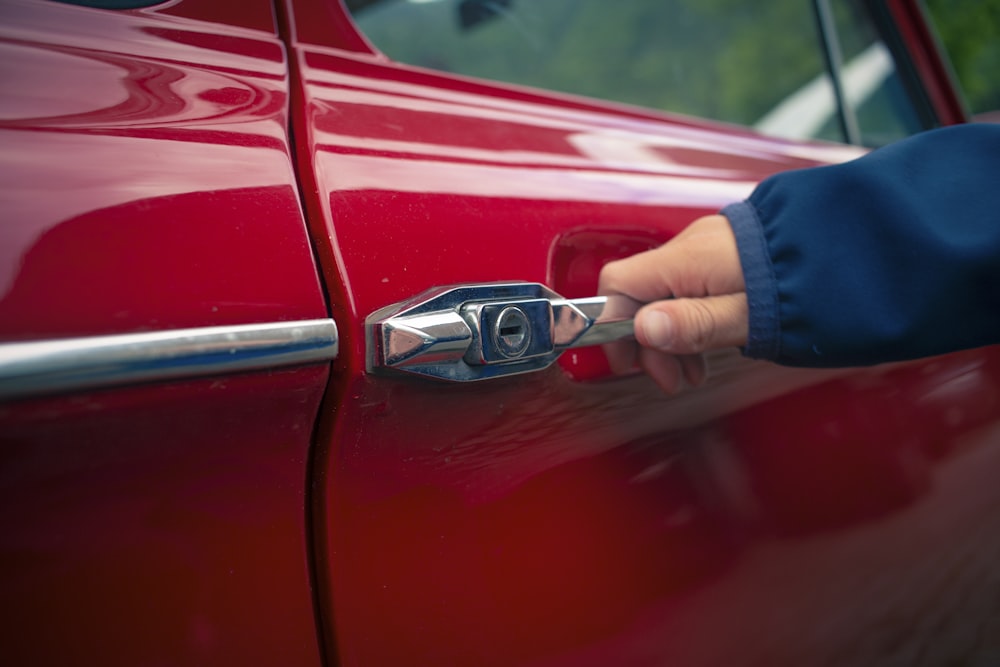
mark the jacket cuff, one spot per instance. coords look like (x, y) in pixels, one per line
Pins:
(764, 337)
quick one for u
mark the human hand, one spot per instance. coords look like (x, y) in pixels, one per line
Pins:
(695, 301)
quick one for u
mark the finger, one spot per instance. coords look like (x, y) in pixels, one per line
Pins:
(619, 307)
(693, 326)
(668, 370)
(664, 369)
(694, 368)
(621, 356)
(702, 260)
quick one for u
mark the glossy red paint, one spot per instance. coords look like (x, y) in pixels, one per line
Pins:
(145, 175)
(254, 15)
(538, 520)
(159, 525)
(547, 521)
(774, 516)
(146, 184)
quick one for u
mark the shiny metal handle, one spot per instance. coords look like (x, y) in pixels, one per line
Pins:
(605, 325)
(474, 332)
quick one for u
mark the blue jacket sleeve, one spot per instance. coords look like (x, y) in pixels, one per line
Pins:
(892, 256)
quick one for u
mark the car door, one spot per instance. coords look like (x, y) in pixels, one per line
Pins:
(164, 341)
(563, 516)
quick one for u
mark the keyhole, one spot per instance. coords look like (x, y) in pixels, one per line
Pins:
(512, 332)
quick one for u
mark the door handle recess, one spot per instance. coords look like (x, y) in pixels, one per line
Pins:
(473, 332)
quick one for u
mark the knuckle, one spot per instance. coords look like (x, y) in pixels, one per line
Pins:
(609, 274)
(702, 326)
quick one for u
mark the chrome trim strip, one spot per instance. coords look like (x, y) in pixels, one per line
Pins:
(52, 366)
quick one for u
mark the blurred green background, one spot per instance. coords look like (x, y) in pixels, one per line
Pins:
(728, 60)
(970, 32)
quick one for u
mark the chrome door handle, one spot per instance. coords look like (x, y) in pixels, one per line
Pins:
(474, 332)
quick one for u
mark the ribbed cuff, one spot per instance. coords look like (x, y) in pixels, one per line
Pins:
(764, 337)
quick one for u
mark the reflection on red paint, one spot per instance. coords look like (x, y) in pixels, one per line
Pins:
(145, 176)
(439, 537)
(159, 525)
(546, 521)
(146, 184)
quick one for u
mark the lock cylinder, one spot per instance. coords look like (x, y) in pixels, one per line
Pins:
(507, 331)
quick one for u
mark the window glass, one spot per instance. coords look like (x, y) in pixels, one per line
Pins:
(756, 64)
(970, 32)
(873, 91)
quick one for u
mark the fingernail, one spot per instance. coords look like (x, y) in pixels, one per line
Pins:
(659, 329)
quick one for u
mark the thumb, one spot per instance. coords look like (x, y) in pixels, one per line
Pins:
(693, 326)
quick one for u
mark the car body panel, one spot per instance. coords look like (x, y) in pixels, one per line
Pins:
(145, 167)
(146, 186)
(563, 517)
(160, 525)
(326, 515)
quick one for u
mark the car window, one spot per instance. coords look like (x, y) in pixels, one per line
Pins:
(864, 102)
(763, 65)
(970, 32)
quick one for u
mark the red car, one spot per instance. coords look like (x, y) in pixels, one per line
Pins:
(284, 374)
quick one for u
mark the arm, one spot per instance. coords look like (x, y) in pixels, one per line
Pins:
(892, 256)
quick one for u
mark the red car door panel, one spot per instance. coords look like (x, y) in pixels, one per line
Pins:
(543, 519)
(165, 140)
(172, 170)
(146, 187)
(161, 524)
